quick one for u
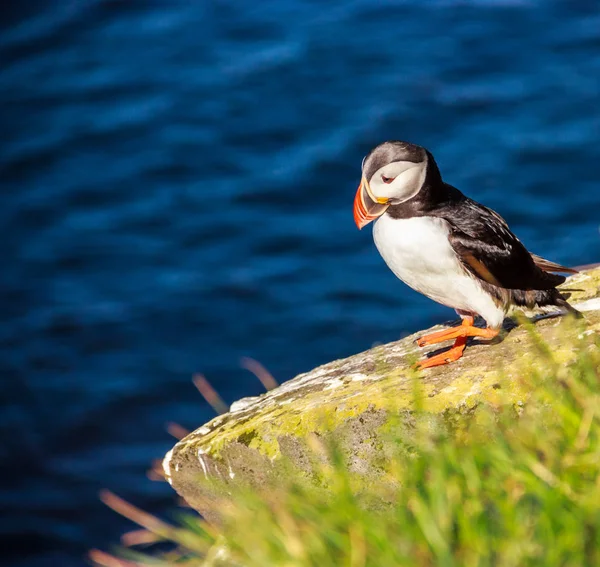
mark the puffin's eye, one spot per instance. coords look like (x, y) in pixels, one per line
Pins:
(387, 179)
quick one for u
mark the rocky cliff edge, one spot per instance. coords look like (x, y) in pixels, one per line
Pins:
(352, 400)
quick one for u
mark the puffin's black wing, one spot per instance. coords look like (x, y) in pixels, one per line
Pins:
(489, 250)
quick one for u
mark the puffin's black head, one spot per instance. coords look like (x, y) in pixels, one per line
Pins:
(392, 173)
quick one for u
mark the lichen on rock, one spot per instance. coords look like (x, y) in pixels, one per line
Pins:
(355, 400)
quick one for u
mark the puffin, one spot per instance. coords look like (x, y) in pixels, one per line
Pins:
(450, 248)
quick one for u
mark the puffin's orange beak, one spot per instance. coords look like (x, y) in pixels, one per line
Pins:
(367, 207)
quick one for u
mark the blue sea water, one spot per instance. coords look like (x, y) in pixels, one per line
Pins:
(177, 182)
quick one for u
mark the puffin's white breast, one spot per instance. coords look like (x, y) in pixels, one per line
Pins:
(418, 251)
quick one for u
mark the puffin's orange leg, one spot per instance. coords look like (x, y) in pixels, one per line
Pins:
(445, 334)
(445, 357)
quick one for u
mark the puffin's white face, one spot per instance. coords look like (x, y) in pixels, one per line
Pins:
(398, 181)
(392, 173)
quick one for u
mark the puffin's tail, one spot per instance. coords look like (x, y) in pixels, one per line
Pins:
(549, 266)
(554, 297)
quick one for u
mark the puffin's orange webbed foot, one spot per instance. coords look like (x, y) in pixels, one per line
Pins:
(451, 355)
